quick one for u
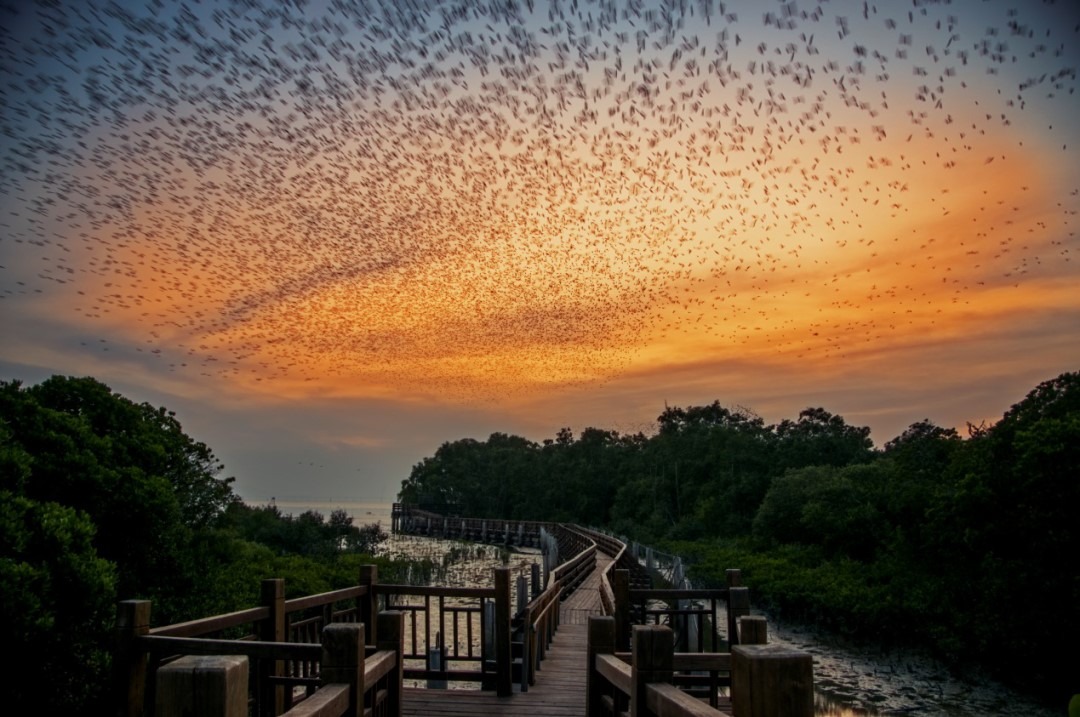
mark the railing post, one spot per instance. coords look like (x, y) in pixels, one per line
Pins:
(601, 642)
(208, 686)
(621, 590)
(535, 579)
(272, 697)
(653, 661)
(132, 621)
(522, 594)
(526, 647)
(753, 630)
(738, 605)
(734, 577)
(392, 637)
(343, 661)
(367, 605)
(771, 681)
(504, 683)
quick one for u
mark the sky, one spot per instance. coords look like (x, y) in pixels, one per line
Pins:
(334, 235)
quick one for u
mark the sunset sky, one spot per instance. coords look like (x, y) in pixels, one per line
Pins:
(333, 235)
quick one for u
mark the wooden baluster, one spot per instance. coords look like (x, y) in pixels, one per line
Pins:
(367, 605)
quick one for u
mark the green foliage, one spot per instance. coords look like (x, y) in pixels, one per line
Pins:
(308, 534)
(57, 597)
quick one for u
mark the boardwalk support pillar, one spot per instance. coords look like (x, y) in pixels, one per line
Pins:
(653, 661)
(771, 681)
(205, 685)
(343, 661)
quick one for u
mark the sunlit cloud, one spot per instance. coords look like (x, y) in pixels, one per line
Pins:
(523, 219)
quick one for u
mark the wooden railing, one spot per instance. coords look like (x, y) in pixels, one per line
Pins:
(417, 521)
(212, 676)
(281, 639)
(767, 680)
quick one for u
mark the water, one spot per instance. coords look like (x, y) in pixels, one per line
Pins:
(850, 681)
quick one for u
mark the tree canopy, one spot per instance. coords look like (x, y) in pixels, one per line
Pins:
(932, 540)
(103, 499)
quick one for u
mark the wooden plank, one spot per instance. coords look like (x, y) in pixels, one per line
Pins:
(559, 690)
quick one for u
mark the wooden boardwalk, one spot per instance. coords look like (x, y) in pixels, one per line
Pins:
(560, 682)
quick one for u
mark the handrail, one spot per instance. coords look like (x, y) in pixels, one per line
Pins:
(665, 699)
(215, 623)
(327, 598)
(167, 645)
(328, 701)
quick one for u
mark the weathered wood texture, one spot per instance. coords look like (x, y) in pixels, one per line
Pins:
(771, 681)
(209, 686)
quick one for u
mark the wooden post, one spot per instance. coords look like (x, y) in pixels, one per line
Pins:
(343, 661)
(621, 588)
(504, 680)
(132, 621)
(535, 580)
(207, 686)
(367, 605)
(392, 637)
(738, 605)
(734, 577)
(653, 661)
(771, 681)
(601, 642)
(272, 697)
(753, 630)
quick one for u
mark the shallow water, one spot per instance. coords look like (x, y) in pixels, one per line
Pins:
(853, 680)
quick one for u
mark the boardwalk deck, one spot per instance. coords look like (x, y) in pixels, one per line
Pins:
(585, 601)
(559, 690)
(560, 682)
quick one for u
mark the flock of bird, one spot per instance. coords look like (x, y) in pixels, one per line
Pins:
(469, 197)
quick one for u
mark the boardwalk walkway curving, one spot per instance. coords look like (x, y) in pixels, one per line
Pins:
(560, 682)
